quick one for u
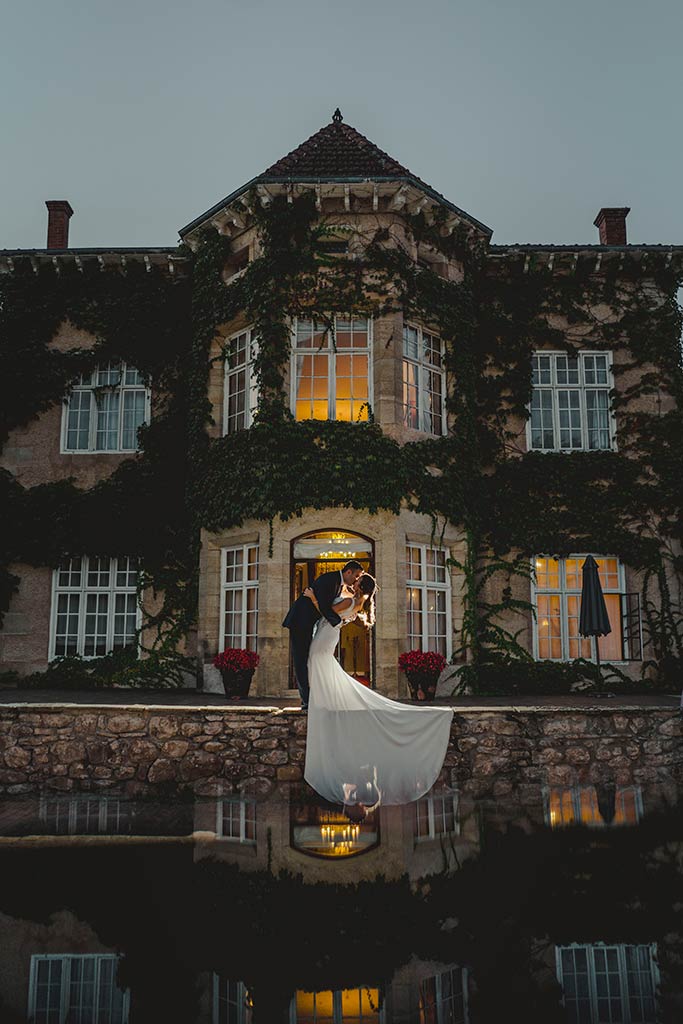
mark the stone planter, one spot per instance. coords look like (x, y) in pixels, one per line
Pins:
(422, 685)
(237, 684)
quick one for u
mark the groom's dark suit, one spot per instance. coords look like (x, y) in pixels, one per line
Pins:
(302, 617)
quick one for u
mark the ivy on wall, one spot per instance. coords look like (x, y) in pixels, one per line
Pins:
(510, 504)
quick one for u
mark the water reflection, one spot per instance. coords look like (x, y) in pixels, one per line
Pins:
(251, 903)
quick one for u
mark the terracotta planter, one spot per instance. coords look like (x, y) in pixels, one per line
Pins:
(236, 684)
(422, 685)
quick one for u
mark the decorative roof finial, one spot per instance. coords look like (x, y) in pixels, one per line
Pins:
(337, 116)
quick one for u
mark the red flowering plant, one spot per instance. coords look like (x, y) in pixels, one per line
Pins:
(236, 659)
(422, 669)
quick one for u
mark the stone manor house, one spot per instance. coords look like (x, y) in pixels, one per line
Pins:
(393, 363)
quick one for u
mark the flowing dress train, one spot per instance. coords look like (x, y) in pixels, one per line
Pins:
(361, 743)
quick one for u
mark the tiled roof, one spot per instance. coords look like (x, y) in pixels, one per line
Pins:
(337, 151)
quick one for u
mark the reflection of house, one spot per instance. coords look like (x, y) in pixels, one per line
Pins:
(295, 829)
(608, 983)
(94, 814)
(76, 988)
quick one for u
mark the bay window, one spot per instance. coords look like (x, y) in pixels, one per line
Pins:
(331, 369)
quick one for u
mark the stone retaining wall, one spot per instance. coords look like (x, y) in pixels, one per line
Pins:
(491, 751)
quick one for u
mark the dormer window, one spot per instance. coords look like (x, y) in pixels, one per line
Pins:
(237, 262)
(331, 372)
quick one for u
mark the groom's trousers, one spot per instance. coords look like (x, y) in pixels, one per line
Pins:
(301, 644)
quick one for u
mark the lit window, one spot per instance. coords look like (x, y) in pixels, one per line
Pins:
(558, 584)
(237, 819)
(608, 983)
(424, 381)
(443, 998)
(331, 373)
(593, 805)
(428, 599)
(239, 597)
(66, 989)
(436, 815)
(347, 1006)
(85, 815)
(240, 383)
(231, 1001)
(105, 409)
(570, 402)
(95, 606)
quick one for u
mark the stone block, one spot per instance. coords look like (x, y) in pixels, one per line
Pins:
(162, 770)
(162, 727)
(120, 725)
(68, 751)
(17, 757)
(175, 748)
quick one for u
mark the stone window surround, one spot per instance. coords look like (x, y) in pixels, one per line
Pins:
(246, 805)
(83, 590)
(424, 585)
(122, 388)
(437, 802)
(65, 983)
(582, 388)
(251, 392)
(423, 368)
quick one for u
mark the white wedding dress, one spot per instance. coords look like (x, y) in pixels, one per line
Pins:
(362, 747)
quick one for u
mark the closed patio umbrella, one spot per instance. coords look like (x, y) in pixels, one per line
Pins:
(593, 617)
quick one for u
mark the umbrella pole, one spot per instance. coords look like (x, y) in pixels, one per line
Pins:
(597, 651)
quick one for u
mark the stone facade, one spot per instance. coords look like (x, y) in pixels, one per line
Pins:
(492, 752)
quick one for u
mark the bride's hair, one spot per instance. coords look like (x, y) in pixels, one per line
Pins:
(368, 587)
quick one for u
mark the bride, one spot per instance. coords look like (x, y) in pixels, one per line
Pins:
(362, 748)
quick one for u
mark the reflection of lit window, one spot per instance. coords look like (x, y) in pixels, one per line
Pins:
(231, 1001)
(436, 815)
(428, 599)
(424, 381)
(85, 815)
(558, 583)
(443, 998)
(330, 377)
(321, 830)
(608, 983)
(570, 403)
(239, 596)
(105, 409)
(95, 606)
(349, 1006)
(63, 989)
(237, 819)
(240, 384)
(593, 805)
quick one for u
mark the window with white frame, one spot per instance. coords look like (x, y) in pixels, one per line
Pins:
(86, 814)
(608, 984)
(240, 393)
(443, 998)
(436, 815)
(570, 402)
(593, 805)
(231, 1001)
(105, 409)
(557, 586)
(95, 606)
(331, 369)
(76, 990)
(428, 599)
(236, 819)
(239, 596)
(424, 381)
(343, 1006)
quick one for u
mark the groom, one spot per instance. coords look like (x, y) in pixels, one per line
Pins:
(303, 615)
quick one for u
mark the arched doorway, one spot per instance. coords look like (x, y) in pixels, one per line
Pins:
(328, 551)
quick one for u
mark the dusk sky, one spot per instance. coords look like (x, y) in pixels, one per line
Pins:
(528, 114)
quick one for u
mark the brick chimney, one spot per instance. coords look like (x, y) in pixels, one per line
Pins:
(611, 223)
(59, 212)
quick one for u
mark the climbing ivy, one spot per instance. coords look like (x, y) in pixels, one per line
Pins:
(511, 504)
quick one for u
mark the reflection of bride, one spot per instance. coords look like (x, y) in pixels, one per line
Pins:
(363, 748)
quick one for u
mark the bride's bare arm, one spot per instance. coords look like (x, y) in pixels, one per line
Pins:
(310, 594)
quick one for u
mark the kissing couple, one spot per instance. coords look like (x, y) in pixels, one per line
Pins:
(350, 726)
